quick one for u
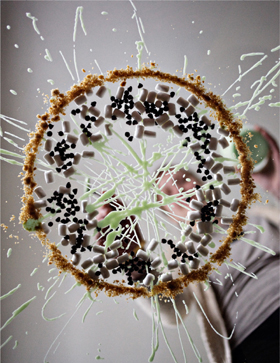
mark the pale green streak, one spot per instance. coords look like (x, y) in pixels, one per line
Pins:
(33, 22)
(241, 269)
(17, 137)
(17, 312)
(154, 333)
(135, 315)
(50, 288)
(275, 49)
(15, 345)
(48, 56)
(87, 311)
(6, 341)
(79, 12)
(9, 252)
(162, 330)
(34, 271)
(13, 162)
(73, 287)
(12, 142)
(180, 339)
(10, 292)
(44, 307)
(67, 66)
(13, 92)
(249, 55)
(276, 104)
(39, 287)
(8, 119)
(201, 308)
(258, 245)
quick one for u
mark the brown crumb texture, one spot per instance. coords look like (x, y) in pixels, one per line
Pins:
(223, 116)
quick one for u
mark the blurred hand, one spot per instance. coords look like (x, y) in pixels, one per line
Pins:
(269, 177)
(129, 239)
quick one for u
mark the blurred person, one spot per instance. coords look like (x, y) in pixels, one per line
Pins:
(241, 308)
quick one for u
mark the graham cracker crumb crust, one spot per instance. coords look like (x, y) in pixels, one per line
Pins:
(223, 116)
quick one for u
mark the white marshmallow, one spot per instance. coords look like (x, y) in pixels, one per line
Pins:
(80, 100)
(69, 172)
(101, 91)
(39, 191)
(49, 177)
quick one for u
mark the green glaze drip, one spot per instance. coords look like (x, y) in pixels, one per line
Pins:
(249, 55)
(34, 271)
(6, 341)
(275, 49)
(135, 315)
(17, 312)
(111, 237)
(10, 292)
(44, 307)
(32, 225)
(258, 245)
(33, 22)
(67, 66)
(79, 14)
(87, 311)
(276, 104)
(9, 252)
(92, 207)
(48, 56)
(196, 352)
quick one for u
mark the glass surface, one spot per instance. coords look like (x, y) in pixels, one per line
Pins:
(209, 37)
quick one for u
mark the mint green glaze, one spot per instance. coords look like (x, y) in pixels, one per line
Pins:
(33, 22)
(92, 207)
(44, 307)
(6, 341)
(17, 311)
(249, 55)
(32, 225)
(111, 237)
(9, 252)
(258, 245)
(135, 315)
(10, 292)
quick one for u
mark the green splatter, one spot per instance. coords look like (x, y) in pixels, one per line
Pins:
(10, 292)
(18, 311)
(9, 252)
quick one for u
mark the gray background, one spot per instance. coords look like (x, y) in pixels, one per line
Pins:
(230, 28)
